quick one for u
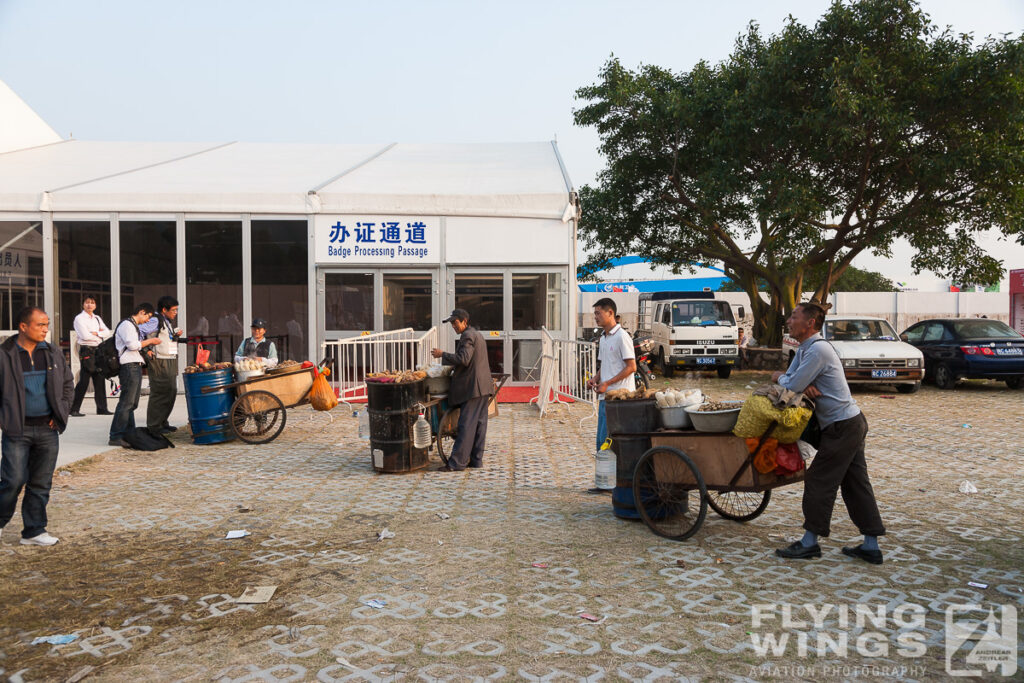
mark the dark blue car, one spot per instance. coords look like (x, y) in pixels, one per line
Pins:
(968, 348)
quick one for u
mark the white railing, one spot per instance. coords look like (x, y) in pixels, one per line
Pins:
(352, 359)
(565, 368)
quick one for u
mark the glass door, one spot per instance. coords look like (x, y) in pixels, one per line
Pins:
(482, 294)
(510, 306)
(345, 303)
(354, 302)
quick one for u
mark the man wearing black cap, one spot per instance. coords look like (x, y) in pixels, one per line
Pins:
(257, 346)
(470, 390)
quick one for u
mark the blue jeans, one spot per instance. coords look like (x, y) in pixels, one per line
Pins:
(131, 388)
(602, 425)
(28, 461)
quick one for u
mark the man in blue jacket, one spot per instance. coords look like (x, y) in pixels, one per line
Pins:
(470, 390)
(37, 388)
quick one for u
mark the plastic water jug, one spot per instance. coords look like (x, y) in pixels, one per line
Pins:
(364, 423)
(421, 433)
(604, 466)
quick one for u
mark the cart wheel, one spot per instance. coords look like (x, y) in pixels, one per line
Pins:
(739, 506)
(447, 428)
(662, 481)
(257, 417)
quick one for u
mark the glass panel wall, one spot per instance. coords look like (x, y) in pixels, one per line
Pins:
(213, 287)
(348, 301)
(407, 301)
(83, 268)
(21, 270)
(482, 295)
(280, 284)
(149, 263)
(536, 301)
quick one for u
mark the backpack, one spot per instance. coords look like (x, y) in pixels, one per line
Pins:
(107, 359)
(141, 439)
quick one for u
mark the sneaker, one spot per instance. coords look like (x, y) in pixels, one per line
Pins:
(42, 539)
(77, 414)
(104, 412)
(119, 443)
(167, 429)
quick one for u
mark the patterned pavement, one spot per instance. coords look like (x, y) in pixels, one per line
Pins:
(490, 570)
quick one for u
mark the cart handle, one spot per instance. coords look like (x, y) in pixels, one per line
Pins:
(750, 456)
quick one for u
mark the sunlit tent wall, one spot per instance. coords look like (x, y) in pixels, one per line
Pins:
(323, 241)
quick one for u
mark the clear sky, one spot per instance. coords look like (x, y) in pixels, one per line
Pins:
(375, 72)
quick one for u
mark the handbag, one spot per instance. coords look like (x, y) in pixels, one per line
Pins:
(812, 432)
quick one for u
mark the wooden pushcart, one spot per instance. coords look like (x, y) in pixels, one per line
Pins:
(259, 412)
(715, 466)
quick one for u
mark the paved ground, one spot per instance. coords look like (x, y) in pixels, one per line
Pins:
(144, 577)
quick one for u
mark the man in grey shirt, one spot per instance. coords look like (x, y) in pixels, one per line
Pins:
(839, 464)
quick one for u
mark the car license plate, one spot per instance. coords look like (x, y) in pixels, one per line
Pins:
(881, 374)
(705, 361)
(1009, 352)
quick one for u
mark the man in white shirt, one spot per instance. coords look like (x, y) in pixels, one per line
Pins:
(130, 345)
(163, 365)
(616, 358)
(91, 331)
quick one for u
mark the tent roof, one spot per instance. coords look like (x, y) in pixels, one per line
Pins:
(511, 179)
(21, 127)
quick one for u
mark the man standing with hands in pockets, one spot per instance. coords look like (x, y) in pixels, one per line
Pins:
(616, 361)
(37, 386)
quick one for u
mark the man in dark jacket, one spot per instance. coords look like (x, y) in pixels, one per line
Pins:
(471, 391)
(37, 388)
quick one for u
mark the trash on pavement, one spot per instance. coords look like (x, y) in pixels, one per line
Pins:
(376, 603)
(385, 533)
(965, 425)
(237, 533)
(442, 515)
(345, 662)
(591, 617)
(245, 508)
(255, 595)
(975, 584)
(967, 487)
(62, 639)
(539, 565)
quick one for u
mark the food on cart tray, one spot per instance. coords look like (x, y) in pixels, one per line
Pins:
(397, 377)
(627, 395)
(671, 398)
(249, 365)
(437, 370)
(206, 367)
(715, 406)
(283, 366)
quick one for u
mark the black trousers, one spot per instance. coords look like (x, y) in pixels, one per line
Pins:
(472, 435)
(840, 465)
(88, 371)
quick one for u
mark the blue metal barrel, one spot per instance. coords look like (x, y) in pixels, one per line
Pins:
(209, 414)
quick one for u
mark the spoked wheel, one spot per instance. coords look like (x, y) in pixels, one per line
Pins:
(739, 506)
(447, 428)
(257, 417)
(662, 482)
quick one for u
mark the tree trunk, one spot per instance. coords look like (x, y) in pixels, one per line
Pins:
(770, 316)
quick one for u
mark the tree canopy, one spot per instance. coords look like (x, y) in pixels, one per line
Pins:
(804, 149)
(853, 279)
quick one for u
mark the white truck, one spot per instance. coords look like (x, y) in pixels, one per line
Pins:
(690, 331)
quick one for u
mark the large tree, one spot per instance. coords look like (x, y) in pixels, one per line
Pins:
(807, 148)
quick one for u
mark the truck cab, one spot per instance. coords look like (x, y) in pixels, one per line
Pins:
(690, 331)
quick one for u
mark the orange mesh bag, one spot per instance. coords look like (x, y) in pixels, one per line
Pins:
(764, 461)
(321, 396)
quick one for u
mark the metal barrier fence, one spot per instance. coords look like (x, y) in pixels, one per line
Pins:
(566, 366)
(352, 359)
